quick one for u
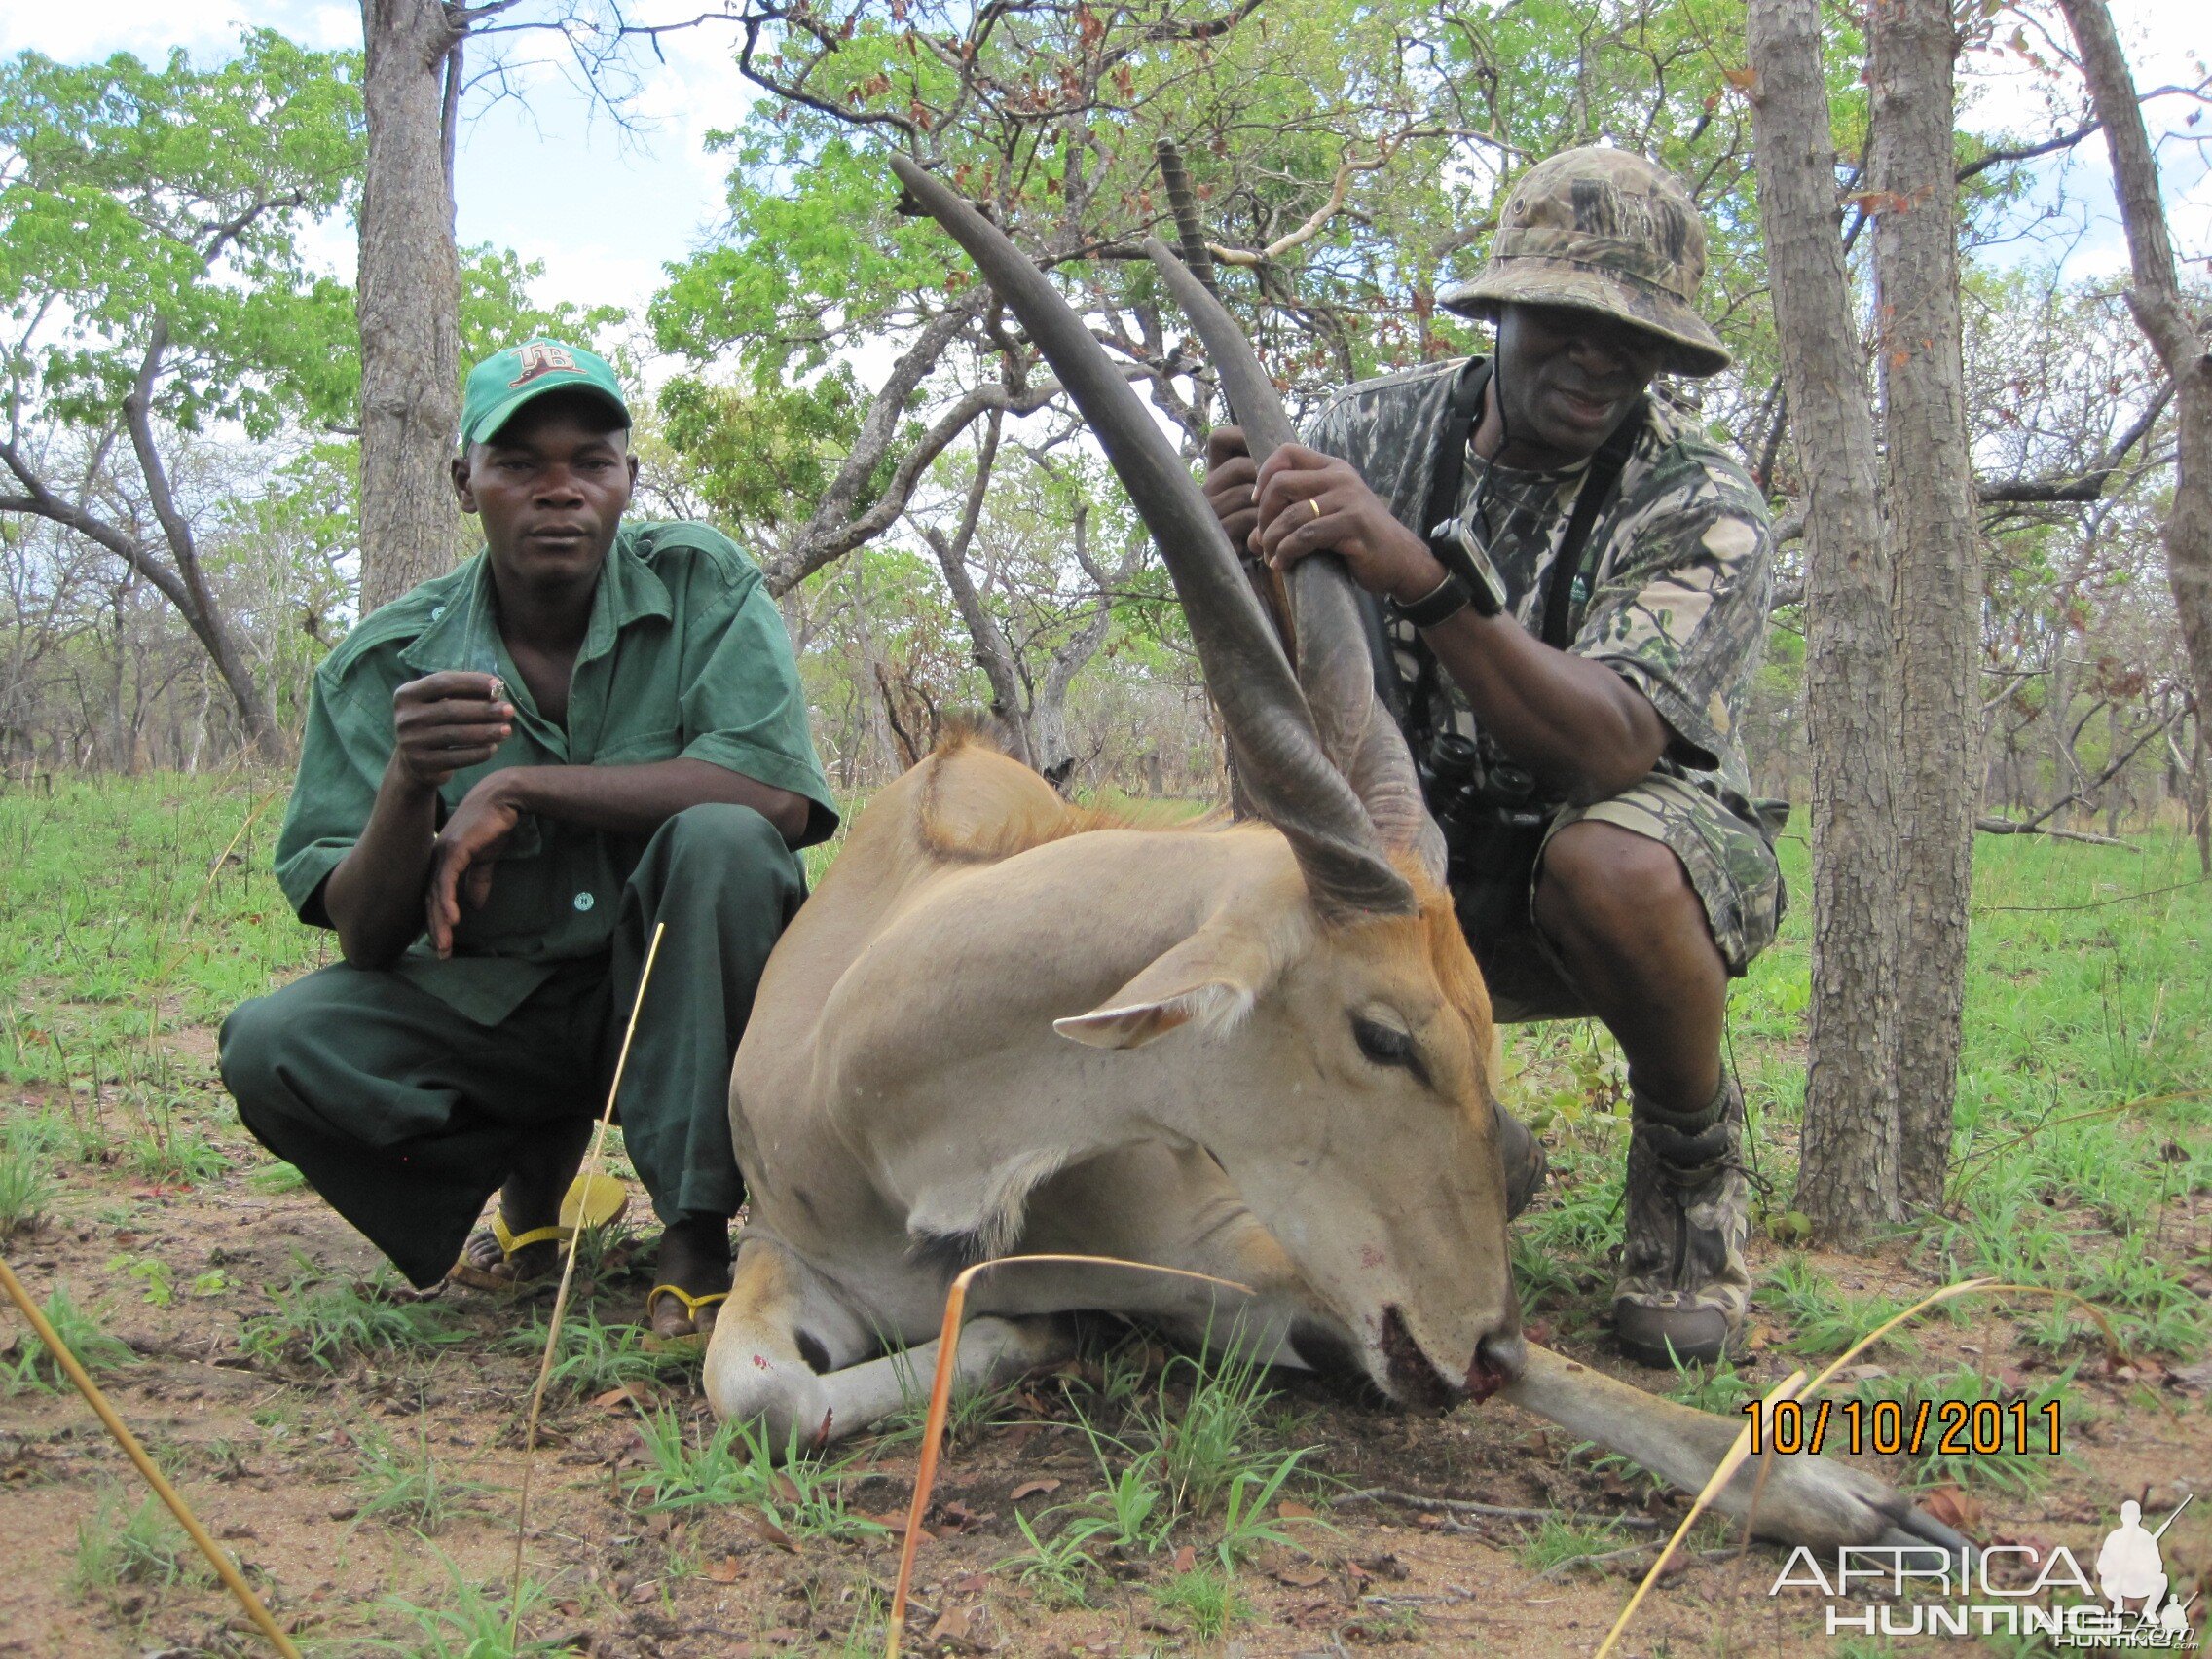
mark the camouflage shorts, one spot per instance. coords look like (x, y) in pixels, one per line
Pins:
(1730, 863)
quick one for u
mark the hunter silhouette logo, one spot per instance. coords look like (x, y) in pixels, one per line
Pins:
(2128, 1565)
(541, 357)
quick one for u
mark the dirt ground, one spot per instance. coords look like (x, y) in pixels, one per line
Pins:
(268, 1451)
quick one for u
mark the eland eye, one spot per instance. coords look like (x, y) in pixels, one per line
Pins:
(1384, 1045)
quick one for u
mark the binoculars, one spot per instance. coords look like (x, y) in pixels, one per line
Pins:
(1478, 803)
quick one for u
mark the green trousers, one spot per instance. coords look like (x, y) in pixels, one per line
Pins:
(406, 1115)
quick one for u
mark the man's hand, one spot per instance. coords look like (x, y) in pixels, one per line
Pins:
(461, 859)
(1231, 477)
(446, 722)
(1308, 502)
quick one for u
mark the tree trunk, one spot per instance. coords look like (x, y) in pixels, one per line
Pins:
(2157, 302)
(1848, 1173)
(988, 646)
(1051, 753)
(262, 728)
(409, 301)
(1929, 492)
(2059, 707)
(2115, 792)
(2200, 796)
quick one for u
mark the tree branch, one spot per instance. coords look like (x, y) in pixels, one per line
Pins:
(823, 538)
(825, 541)
(220, 236)
(40, 501)
(2081, 796)
(2089, 486)
(991, 653)
(2027, 152)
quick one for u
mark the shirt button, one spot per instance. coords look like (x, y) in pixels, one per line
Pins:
(437, 613)
(585, 900)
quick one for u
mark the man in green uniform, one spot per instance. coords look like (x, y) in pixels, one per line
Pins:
(510, 776)
(1577, 584)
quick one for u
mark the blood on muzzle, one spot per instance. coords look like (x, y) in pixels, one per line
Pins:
(1499, 1359)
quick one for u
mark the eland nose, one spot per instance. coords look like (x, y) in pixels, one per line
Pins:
(1499, 1359)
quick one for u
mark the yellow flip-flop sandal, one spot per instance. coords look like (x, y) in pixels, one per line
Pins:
(691, 1340)
(591, 1201)
(594, 1200)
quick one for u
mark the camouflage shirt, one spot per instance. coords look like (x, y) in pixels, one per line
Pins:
(1680, 563)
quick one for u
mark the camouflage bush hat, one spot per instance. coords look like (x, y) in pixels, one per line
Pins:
(502, 383)
(1604, 231)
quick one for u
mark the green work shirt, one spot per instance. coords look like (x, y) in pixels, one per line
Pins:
(685, 655)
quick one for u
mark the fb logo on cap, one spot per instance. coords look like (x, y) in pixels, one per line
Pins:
(541, 357)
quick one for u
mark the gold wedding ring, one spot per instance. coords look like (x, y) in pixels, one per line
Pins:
(1315, 501)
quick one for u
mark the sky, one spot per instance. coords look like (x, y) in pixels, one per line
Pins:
(605, 209)
(558, 182)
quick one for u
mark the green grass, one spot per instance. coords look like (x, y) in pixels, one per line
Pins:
(2009, 1468)
(403, 1486)
(865, 1635)
(1719, 1388)
(97, 881)
(274, 1179)
(27, 1176)
(1207, 1423)
(322, 1325)
(1207, 1598)
(1551, 1543)
(26, 1365)
(162, 1151)
(474, 1623)
(134, 908)
(595, 1358)
(735, 1463)
(1056, 1569)
(2068, 1010)
(969, 1408)
(144, 1550)
(1198, 1459)
(1827, 1320)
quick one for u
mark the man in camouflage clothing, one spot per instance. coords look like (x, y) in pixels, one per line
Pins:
(1612, 862)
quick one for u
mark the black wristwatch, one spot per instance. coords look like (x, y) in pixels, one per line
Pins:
(1446, 599)
(1470, 580)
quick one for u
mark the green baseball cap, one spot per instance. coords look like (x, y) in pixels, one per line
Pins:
(502, 383)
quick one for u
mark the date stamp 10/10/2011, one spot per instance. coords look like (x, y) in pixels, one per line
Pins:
(1948, 1428)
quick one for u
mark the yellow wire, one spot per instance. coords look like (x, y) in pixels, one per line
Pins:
(561, 1297)
(136, 1452)
(1738, 1450)
(940, 1400)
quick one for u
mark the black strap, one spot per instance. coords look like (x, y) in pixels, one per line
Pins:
(1597, 489)
(1450, 464)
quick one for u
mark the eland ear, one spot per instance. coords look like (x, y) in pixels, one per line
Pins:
(1211, 979)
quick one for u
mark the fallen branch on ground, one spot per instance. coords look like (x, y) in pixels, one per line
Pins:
(2008, 826)
(2091, 904)
(1493, 1511)
(1611, 1556)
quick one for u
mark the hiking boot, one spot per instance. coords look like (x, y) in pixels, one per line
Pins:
(1683, 1284)
(1522, 1156)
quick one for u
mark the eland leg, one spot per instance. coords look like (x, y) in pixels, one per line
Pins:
(992, 1354)
(789, 1353)
(783, 1329)
(1805, 1499)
